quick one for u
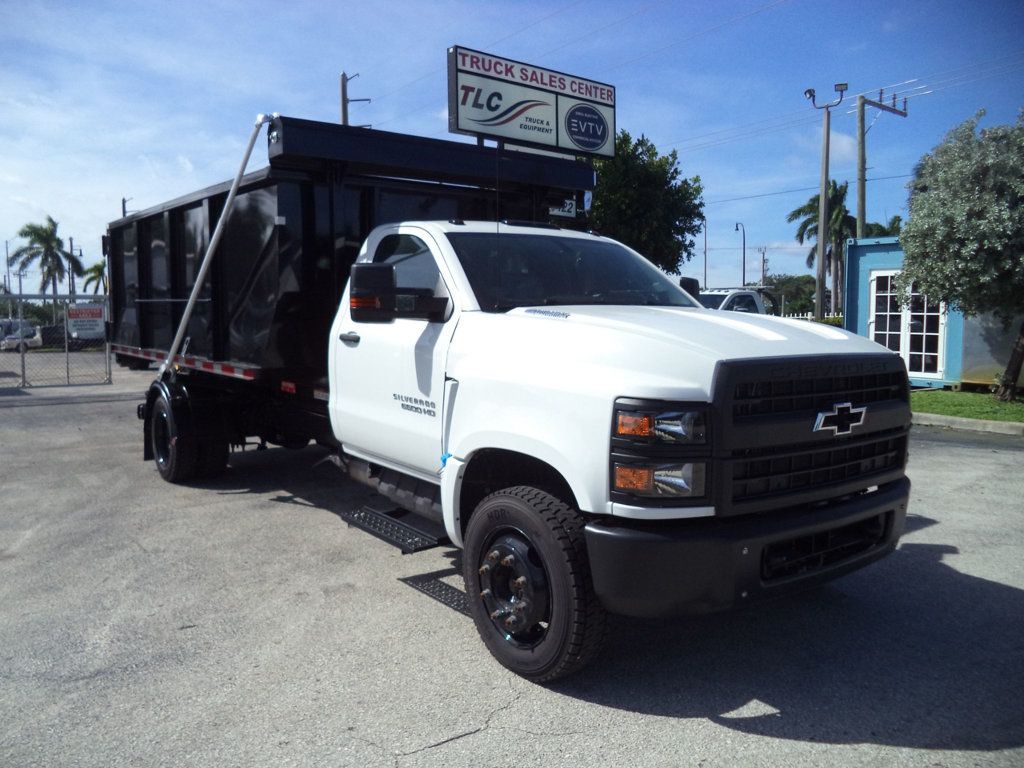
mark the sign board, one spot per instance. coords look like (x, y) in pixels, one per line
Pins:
(85, 322)
(523, 104)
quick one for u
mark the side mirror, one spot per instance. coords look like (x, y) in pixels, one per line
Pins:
(691, 285)
(371, 295)
(374, 298)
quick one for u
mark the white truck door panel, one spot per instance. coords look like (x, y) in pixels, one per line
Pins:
(387, 382)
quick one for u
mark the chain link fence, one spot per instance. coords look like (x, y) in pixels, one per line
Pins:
(53, 340)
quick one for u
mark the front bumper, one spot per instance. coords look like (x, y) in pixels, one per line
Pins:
(649, 569)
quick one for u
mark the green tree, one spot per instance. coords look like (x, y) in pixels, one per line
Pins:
(963, 243)
(47, 248)
(642, 200)
(794, 292)
(96, 276)
(841, 227)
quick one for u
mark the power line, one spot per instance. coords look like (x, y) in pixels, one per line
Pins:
(939, 81)
(793, 191)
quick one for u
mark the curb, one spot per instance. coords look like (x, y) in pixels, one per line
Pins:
(971, 425)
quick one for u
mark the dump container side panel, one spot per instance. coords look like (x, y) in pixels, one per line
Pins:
(192, 239)
(125, 283)
(249, 266)
(155, 283)
(306, 284)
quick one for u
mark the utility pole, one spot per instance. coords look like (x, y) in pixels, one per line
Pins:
(862, 155)
(737, 228)
(764, 262)
(345, 100)
(124, 206)
(819, 280)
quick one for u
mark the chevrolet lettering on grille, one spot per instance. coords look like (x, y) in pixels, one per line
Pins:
(841, 419)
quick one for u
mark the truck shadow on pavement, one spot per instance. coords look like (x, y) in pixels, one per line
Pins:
(909, 652)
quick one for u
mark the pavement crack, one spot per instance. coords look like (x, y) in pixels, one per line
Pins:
(466, 734)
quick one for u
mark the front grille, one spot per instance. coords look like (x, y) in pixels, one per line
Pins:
(778, 396)
(806, 554)
(787, 470)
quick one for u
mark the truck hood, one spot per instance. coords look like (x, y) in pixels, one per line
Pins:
(660, 352)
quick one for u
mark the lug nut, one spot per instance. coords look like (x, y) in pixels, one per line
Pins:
(511, 621)
(484, 569)
(493, 555)
(499, 613)
(508, 561)
(485, 594)
(519, 583)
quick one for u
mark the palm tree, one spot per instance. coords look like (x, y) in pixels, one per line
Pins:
(892, 229)
(841, 227)
(96, 276)
(48, 249)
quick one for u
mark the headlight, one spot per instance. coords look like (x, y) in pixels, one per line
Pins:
(661, 480)
(670, 427)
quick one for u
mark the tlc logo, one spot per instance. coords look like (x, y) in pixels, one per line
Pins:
(492, 102)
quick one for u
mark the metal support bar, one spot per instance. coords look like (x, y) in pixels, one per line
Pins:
(261, 120)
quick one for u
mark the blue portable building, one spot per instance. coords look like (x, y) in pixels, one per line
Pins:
(940, 347)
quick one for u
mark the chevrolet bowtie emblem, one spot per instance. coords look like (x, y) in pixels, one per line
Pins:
(841, 419)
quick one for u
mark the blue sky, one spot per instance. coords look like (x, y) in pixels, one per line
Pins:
(151, 100)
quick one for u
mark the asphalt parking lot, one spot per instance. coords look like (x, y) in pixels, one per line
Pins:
(241, 622)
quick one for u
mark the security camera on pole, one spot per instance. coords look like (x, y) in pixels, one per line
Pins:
(819, 279)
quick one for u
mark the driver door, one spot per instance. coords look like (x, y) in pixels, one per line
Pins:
(388, 379)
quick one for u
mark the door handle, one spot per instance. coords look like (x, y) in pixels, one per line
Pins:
(349, 338)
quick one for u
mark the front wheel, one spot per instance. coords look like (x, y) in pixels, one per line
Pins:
(529, 586)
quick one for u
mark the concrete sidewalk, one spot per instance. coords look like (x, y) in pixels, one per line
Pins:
(972, 425)
(125, 385)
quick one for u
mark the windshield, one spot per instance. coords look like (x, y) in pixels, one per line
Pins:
(515, 270)
(711, 300)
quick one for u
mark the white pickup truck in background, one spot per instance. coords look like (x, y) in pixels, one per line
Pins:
(754, 300)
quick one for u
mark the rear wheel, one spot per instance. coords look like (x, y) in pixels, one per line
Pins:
(175, 456)
(529, 585)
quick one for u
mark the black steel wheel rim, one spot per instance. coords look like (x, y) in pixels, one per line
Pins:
(514, 588)
(162, 438)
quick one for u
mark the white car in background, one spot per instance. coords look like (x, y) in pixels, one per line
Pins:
(19, 336)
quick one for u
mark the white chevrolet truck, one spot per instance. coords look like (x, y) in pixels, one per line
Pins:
(545, 399)
(598, 442)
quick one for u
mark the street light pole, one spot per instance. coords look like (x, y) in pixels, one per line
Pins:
(738, 227)
(819, 280)
(705, 252)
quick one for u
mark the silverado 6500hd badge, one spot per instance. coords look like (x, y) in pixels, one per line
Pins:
(416, 404)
